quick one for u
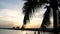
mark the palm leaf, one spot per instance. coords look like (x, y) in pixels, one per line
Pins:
(58, 18)
(29, 8)
(46, 19)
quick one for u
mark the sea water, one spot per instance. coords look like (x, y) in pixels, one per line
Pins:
(5, 31)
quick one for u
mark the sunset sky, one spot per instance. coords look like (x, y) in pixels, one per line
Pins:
(11, 14)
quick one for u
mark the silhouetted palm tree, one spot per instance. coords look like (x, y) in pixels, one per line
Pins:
(59, 19)
(46, 19)
(29, 8)
(31, 5)
(59, 14)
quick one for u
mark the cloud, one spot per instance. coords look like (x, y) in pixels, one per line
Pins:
(13, 16)
(11, 12)
(34, 23)
(6, 24)
(11, 4)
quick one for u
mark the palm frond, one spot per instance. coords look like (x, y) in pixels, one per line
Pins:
(29, 8)
(58, 18)
(46, 18)
(59, 3)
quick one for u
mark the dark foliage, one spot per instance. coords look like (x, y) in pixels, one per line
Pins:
(29, 8)
(31, 5)
(46, 19)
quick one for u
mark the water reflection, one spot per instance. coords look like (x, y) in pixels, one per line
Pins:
(36, 32)
(22, 32)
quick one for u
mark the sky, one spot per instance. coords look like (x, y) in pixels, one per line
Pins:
(11, 14)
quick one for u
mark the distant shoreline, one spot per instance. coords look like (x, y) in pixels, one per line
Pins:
(31, 29)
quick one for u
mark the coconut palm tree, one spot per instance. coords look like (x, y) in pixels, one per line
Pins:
(54, 6)
(59, 14)
(46, 19)
(29, 8)
(31, 5)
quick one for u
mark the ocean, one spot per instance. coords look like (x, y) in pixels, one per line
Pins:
(5, 31)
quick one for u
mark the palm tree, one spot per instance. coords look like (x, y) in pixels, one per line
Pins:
(54, 6)
(29, 8)
(31, 5)
(59, 14)
(58, 20)
(46, 19)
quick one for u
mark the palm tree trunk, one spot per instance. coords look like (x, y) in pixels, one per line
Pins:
(54, 7)
(58, 19)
